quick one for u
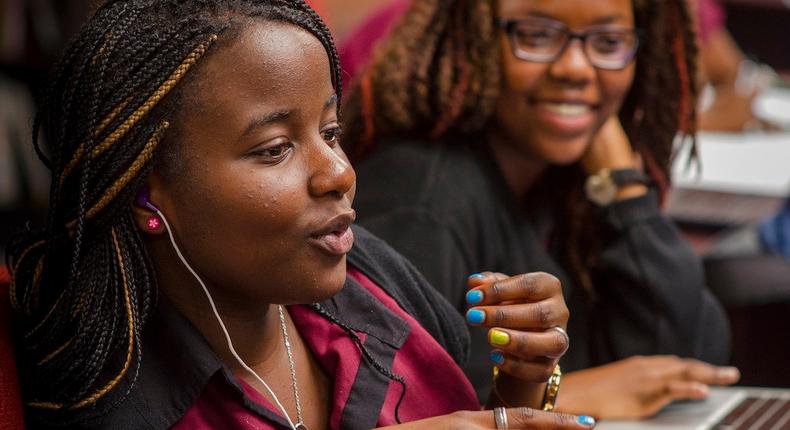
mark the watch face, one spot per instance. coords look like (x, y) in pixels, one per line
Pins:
(600, 189)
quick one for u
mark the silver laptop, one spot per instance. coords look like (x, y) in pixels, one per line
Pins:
(744, 178)
(725, 409)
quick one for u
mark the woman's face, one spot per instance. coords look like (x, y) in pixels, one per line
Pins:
(549, 111)
(261, 204)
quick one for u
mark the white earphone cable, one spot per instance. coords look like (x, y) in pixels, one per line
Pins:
(219, 320)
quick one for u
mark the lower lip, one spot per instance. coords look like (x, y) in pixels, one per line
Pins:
(569, 125)
(335, 243)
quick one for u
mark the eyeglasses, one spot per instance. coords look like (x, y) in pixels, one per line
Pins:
(543, 41)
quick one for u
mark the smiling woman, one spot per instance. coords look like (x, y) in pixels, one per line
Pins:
(199, 268)
(536, 135)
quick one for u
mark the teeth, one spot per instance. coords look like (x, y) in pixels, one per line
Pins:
(567, 109)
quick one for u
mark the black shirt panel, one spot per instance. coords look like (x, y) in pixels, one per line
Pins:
(401, 280)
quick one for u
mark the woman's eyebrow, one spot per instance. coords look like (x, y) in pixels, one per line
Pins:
(606, 19)
(280, 116)
(534, 13)
(331, 101)
(609, 19)
(277, 116)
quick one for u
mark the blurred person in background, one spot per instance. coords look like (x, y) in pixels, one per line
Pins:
(479, 123)
(732, 82)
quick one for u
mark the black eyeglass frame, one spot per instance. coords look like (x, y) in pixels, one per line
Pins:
(510, 26)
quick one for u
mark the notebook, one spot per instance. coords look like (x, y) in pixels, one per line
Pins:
(725, 409)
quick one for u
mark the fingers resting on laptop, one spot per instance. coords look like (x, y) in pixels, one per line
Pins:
(639, 387)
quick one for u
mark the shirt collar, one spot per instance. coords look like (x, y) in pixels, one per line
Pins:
(177, 362)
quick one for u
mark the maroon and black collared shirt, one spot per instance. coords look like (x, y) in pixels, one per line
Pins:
(402, 322)
(435, 385)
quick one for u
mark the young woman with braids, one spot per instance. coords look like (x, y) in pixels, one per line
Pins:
(193, 149)
(478, 124)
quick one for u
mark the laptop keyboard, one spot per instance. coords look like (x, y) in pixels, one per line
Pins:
(758, 413)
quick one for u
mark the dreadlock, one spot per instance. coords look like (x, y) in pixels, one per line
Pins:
(83, 286)
(438, 75)
(432, 75)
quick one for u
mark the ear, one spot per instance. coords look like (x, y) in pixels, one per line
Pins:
(147, 220)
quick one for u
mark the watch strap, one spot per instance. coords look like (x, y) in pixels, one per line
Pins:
(623, 177)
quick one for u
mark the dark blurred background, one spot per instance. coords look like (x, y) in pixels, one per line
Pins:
(32, 34)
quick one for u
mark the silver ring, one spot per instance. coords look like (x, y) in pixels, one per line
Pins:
(563, 332)
(500, 418)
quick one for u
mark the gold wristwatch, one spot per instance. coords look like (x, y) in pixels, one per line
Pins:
(601, 188)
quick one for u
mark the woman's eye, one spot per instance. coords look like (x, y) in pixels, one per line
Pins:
(332, 135)
(274, 153)
(537, 37)
(607, 43)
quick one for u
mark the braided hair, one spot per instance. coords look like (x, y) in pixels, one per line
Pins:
(83, 286)
(437, 78)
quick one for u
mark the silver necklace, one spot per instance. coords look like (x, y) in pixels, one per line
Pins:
(299, 425)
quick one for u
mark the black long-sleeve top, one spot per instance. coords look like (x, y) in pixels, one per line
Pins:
(449, 210)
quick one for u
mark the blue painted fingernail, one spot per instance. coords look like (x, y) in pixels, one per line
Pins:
(474, 297)
(586, 421)
(476, 276)
(497, 357)
(474, 316)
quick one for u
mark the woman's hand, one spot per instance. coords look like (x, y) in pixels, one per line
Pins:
(732, 112)
(517, 418)
(639, 387)
(611, 149)
(527, 316)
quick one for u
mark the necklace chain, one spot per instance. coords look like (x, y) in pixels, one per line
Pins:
(299, 424)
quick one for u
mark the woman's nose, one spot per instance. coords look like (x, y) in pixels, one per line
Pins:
(573, 65)
(331, 171)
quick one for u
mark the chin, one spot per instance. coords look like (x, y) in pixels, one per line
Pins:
(565, 153)
(328, 293)
(329, 283)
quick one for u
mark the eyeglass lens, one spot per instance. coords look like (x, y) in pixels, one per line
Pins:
(605, 48)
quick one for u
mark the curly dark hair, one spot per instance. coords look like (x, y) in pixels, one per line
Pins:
(438, 74)
(83, 286)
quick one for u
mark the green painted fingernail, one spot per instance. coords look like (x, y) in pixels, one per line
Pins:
(499, 338)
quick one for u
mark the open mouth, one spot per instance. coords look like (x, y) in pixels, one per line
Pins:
(567, 109)
(336, 237)
(565, 117)
(337, 242)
